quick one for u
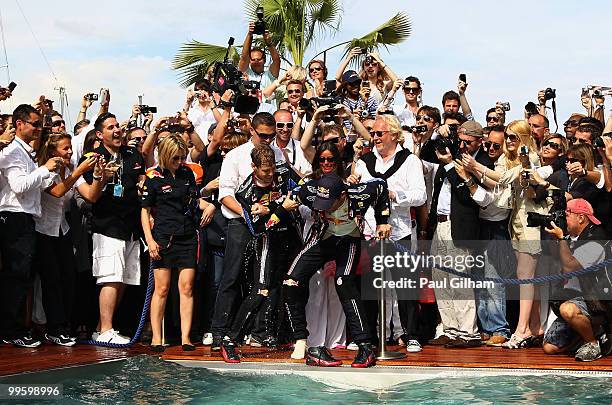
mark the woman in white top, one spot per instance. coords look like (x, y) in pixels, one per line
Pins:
(54, 258)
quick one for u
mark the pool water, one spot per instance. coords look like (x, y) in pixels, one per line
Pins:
(147, 380)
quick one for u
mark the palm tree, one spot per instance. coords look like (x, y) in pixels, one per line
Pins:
(295, 26)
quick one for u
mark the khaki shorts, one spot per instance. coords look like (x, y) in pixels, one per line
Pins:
(116, 260)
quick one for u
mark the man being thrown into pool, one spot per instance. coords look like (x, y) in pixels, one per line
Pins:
(268, 206)
(335, 235)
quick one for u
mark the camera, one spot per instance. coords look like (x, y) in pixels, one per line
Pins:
(91, 97)
(364, 51)
(524, 158)
(145, 109)
(417, 129)
(451, 141)
(12, 86)
(505, 106)
(531, 108)
(599, 143)
(227, 77)
(260, 25)
(556, 213)
(549, 94)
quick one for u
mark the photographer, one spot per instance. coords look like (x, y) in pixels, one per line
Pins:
(453, 228)
(581, 248)
(252, 61)
(21, 183)
(317, 71)
(356, 97)
(202, 113)
(539, 125)
(411, 86)
(88, 100)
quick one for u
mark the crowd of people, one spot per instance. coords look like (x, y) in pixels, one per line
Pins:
(255, 223)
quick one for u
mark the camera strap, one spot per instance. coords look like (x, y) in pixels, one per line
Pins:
(554, 109)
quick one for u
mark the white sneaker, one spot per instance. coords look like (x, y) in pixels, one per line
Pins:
(208, 339)
(112, 336)
(352, 346)
(94, 336)
(439, 330)
(413, 346)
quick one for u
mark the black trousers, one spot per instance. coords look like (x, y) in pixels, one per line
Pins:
(345, 251)
(55, 263)
(229, 289)
(17, 246)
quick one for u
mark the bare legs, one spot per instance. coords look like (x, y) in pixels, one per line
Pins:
(529, 311)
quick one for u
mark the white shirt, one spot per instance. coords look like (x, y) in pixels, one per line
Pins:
(77, 142)
(407, 183)
(54, 209)
(405, 115)
(488, 211)
(201, 120)
(444, 198)
(21, 180)
(296, 157)
(235, 169)
(265, 79)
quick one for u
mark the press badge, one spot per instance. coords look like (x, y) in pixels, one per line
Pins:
(118, 190)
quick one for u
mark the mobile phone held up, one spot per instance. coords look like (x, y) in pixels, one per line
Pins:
(463, 78)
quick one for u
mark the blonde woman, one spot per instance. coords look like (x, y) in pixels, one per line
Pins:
(518, 195)
(171, 190)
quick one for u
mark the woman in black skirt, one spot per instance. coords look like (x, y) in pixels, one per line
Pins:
(170, 196)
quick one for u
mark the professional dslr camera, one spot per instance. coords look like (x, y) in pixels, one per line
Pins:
(549, 94)
(260, 25)
(330, 98)
(416, 129)
(556, 213)
(228, 77)
(145, 109)
(599, 143)
(451, 141)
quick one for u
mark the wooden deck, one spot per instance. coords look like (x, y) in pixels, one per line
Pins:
(17, 360)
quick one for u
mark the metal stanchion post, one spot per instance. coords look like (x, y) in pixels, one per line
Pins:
(383, 353)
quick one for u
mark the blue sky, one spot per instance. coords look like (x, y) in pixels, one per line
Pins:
(508, 50)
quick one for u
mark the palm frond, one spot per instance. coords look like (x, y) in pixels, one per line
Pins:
(395, 30)
(193, 59)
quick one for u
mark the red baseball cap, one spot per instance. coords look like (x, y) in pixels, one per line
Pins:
(582, 206)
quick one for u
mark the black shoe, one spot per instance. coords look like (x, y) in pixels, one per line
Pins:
(365, 356)
(269, 341)
(459, 343)
(24, 341)
(188, 347)
(61, 339)
(158, 348)
(439, 341)
(228, 351)
(216, 343)
(320, 356)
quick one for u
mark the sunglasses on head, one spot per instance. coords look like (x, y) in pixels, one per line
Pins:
(511, 137)
(424, 118)
(328, 160)
(280, 125)
(552, 145)
(294, 91)
(58, 123)
(489, 144)
(411, 90)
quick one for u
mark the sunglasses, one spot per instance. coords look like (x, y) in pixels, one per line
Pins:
(571, 123)
(295, 91)
(370, 63)
(280, 125)
(424, 118)
(257, 60)
(578, 140)
(495, 146)
(179, 158)
(35, 124)
(335, 139)
(552, 145)
(465, 141)
(140, 139)
(58, 123)
(492, 118)
(411, 90)
(574, 160)
(511, 137)
(378, 134)
(328, 160)
(315, 69)
(265, 136)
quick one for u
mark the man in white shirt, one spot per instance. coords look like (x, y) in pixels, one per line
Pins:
(21, 183)
(294, 155)
(235, 169)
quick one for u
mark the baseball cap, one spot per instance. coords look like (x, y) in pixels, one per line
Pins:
(329, 188)
(350, 76)
(472, 128)
(582, 206)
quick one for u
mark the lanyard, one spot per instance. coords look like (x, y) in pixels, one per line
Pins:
(26, 151)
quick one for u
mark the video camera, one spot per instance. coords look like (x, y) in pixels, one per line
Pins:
(228, 77)
(556, 213)
(451, 141)
(260, 25)
(329, 97)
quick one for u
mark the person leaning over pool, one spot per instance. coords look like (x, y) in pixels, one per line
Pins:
(171, 190)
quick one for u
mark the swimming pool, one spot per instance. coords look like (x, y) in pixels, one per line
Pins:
(147, 380)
